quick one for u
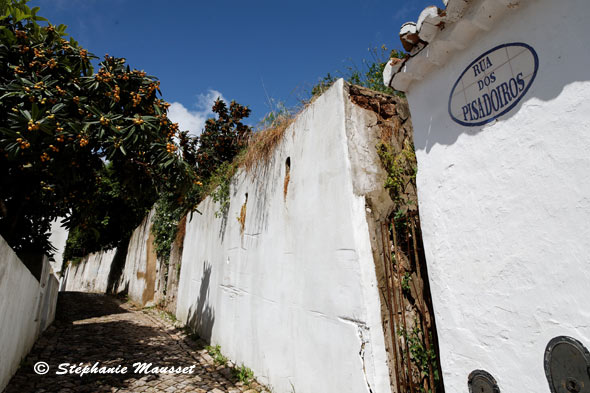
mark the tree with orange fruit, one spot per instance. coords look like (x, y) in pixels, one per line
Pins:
(95, 149)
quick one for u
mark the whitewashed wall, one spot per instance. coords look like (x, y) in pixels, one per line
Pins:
(58, 238)
(91, 274)
(505, 207)
(294, 297)
(27, 307)
(140, 276)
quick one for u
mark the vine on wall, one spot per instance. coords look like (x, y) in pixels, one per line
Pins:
(410, 314)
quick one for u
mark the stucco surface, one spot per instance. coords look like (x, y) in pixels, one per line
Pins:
(294, 296)
(505, 207)
(58, 238)
(91, 274)
(138, 276)
(27, 307)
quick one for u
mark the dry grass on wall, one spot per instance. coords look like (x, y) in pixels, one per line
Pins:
(263, 144)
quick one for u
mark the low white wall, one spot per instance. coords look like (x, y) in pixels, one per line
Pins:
(505, 207)
(27, 307)
(294, 295)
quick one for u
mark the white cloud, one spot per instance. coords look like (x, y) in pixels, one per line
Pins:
(194, 120)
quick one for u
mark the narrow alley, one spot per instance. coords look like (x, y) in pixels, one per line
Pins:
(92, 328)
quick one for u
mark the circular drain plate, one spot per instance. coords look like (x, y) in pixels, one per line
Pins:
(567, 366)
(481, 381)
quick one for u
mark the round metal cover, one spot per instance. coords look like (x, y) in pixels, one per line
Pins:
(567, 366)
(481, 381)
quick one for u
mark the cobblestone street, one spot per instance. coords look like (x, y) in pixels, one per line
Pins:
(92, 328)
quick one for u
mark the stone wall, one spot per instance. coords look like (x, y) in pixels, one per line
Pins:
(27, 308)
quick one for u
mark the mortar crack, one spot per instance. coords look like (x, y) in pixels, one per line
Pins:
(361, 330)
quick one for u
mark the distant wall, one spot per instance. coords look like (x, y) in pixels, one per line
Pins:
(139, 278)
(27, 307)
(293, 293)
(91, 274)
(58, 238)
(132, 268)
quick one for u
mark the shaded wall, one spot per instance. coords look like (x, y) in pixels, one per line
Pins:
(27, 308)
(132, 269)
(91, 274)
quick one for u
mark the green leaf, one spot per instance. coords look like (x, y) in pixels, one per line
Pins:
(25, 113)
(169, 162)
(18, 15)
(12, 94)
(35, 111)
(57, 107)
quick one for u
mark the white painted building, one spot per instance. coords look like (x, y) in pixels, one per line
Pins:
(499, 92)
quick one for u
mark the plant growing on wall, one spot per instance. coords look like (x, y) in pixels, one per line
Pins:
(169, 212)
(421, 356)
(88, 147)
(369, 74)
(409, 317)
(401, 172)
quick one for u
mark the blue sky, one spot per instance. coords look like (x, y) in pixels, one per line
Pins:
(248, 51)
